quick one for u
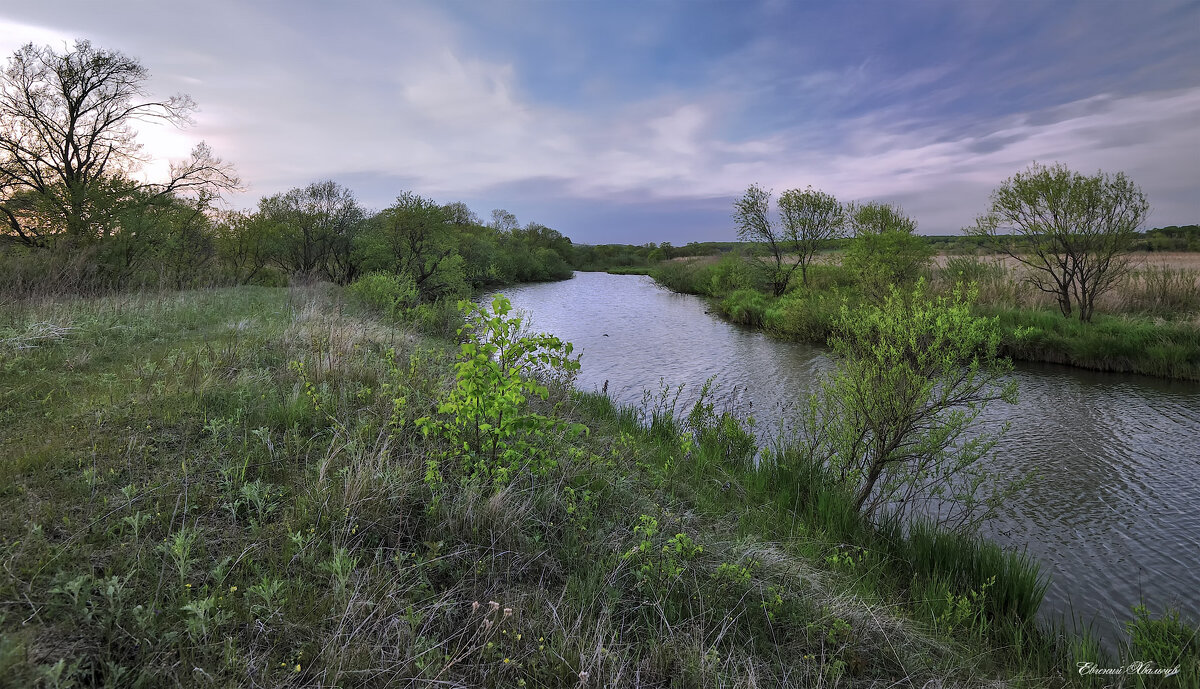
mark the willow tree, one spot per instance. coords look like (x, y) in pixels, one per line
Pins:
(810, 218)
(1072, 232)
(898, 420)
(68, 144)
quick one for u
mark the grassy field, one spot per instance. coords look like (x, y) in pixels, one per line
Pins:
(234, 488)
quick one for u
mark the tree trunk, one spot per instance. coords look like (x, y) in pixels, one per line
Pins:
(1064, 302)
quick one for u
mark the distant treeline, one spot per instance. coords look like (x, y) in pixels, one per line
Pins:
(608, 256)
(599, 257)
(316, 232)
(1170, 238)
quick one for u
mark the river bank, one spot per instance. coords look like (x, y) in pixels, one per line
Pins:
(1150, 326)
(1103, 515)
(231, 486)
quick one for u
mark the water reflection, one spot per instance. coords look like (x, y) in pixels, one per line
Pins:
(1111, 515)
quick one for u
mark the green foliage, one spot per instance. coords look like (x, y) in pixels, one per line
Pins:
(1165, 642)
(392, 294)
(313, 231)
(746, 307)
(197, 510)
(1108, 343)
(885, 249)
(655, 567)
(1170, 238)
(807, 219)
(733, 272)
(895, 419)
(718, 437)
(499, 369)
(810, 218)
(1073, 232)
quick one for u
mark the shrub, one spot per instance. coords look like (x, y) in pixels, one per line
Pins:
(1165, 642)
(746, 307)
(894, 420)
(732, 273)
(392, 294)
(499, 368)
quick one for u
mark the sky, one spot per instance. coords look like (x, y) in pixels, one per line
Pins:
(635, 122)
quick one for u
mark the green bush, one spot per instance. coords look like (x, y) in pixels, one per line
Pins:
(733, 273)
(804, 315)
(499, 369)
(392, 294)
(1165, 642)
(686, 277)
(746, 307)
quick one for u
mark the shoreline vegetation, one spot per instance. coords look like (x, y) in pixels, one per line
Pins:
(262, 485)
(1148, 324)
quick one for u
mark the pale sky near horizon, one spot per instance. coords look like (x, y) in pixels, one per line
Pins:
(635, 122)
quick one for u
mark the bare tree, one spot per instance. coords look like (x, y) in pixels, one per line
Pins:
(1074, 232)
(68, 145)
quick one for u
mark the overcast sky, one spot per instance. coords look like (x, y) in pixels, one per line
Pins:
(641, 121)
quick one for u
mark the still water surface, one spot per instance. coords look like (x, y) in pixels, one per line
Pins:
(1114, 516)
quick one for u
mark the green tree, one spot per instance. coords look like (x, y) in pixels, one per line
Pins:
(809, 218)
(68, 146)
(243, 242)
(752, 214)
(1072, 232)
(885, 249)
(503, 221)
(896, 419)
(314, 230)
(415, 236)
(164, 240)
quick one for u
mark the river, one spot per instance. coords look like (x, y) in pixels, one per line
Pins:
(1113, 515)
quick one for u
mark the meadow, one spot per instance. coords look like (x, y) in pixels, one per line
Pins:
(260, 486)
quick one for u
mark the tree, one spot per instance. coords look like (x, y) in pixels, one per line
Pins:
(809, 217)
(885, 249)
(752, 213)
(243, 242)
(895, 420)
(314, 230)
(68, 146)
(163, 240)
(503, 221)
(414, 235)
(460, 215)
(1073, 232)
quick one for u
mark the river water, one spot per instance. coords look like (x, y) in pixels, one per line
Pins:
(1114, 515)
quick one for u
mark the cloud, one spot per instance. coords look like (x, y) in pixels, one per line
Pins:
(382, 96)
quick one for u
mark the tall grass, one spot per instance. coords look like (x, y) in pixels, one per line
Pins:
(231, 488)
